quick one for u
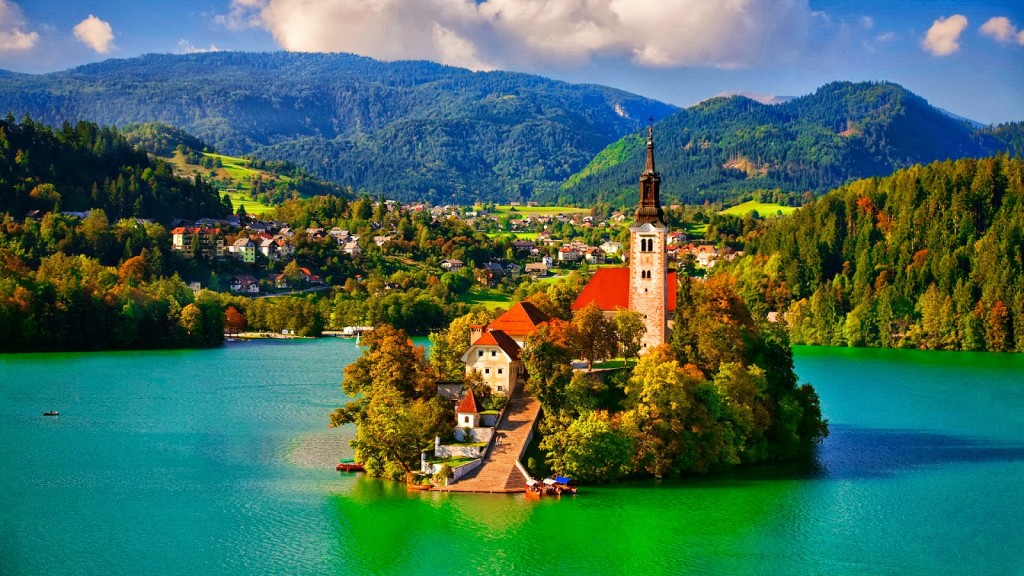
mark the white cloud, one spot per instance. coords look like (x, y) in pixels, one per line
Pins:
(186, 47)
(943, 37)
(1002, 30)
(95, 33)
(502, 33)
(867, 22)
(13, 36)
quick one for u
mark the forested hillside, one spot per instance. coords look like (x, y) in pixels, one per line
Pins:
(409, 130)
(723, 147)
(81, 167)
(930, 257)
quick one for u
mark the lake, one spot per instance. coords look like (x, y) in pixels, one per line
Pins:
(220, 462)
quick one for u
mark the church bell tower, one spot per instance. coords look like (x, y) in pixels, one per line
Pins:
(648, 263)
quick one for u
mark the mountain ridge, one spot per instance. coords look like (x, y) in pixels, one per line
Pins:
(725, 147)
(484, 135)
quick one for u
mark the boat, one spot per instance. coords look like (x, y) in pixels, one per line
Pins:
(419, 487)
(534, 489)
(350, 466)
(559, 485)
(51, 413)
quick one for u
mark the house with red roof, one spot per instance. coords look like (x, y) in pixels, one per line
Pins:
(467, 414)
(495, 348)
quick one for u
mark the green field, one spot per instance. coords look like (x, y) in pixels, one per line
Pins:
(516, 235)
(762, 208)
(538, 210)
(486, 297)
(234, 174)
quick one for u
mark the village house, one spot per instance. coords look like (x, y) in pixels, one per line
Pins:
(244, 249)
(352, 249)
(569, 254)
(494, 351)
(452, 264)
(537, 269)
(246, 284)
(188, 239)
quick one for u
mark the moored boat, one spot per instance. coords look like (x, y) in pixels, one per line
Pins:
(51, 413)
(350, 466)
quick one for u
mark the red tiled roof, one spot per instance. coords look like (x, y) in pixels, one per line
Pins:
(609, 288)
(501, 340)
(468, 404)
(521, 319)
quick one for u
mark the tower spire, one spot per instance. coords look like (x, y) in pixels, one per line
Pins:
(649, 210)
(650, 151)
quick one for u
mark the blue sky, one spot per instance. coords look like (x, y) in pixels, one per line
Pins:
(966, 57)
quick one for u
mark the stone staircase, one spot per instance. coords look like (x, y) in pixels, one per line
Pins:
(499, 472)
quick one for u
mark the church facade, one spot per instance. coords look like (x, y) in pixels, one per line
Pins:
(646, 286)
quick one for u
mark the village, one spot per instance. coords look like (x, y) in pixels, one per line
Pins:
(543, 245)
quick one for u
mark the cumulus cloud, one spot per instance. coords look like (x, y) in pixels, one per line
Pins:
(484, 34)
(1002, 30)
(95, 33)
(13, 36)
(943, 38)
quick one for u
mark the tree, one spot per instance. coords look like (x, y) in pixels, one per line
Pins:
(191, 321)
(630, 329)
(447, 347)
(234, 321)
(592, 448)
(592, 335)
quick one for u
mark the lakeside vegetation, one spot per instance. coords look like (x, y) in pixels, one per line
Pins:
(930, 257)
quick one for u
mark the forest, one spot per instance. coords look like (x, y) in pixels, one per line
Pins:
(83, 166)
(930, 257)
(727, 146)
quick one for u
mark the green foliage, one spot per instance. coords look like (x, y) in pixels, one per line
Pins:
(397, 411)
(592, 448)
(83, 167)
(723, 148)
(929, 257)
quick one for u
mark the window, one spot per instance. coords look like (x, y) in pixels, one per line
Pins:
(500, 370)
(487, 370)
(479, 353)
(500, 388)
(465, 419)
(494, 353)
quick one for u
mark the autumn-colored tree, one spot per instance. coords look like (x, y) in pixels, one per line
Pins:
(447, 347)
(234, 321)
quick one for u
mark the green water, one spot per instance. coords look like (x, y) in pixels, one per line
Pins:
(219, 461)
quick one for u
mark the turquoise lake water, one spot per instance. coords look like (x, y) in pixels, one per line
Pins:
(220, 462)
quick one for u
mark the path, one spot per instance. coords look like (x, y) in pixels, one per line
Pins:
(499, 473)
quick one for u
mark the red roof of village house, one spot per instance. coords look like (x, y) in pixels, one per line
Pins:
(609, 287)
(468, 404)
(501, 340)
(521, 319)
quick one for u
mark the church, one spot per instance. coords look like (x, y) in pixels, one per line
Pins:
(645, 286)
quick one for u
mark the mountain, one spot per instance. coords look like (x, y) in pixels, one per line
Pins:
(928, 257)
(409, 130)
(725, 146)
